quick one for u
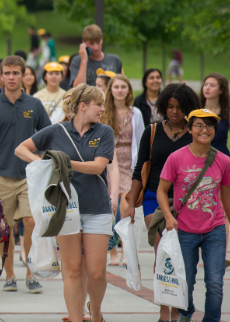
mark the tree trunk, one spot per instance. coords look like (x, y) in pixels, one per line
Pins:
(9, 45)
(163, 65)
(99, 14)
(201, 67)
(144, 47)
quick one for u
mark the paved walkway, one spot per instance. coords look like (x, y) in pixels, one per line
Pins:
(120, 303)
(195, 85)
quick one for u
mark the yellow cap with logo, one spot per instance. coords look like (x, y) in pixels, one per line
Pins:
(107, 73)
(64, 59)
(53, 67)
(41, 32)
(203, 113)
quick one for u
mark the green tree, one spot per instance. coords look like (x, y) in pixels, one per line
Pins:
(205, 25)
(128, 21)
(10, 14)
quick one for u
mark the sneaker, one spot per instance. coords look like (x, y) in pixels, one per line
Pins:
(10, 285)
(184, 319)
(33, 285)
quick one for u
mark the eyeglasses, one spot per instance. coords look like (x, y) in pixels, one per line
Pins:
(208, 127)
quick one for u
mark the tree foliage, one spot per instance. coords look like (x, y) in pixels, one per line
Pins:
(206, 24)
(10, 14)
(126, 21)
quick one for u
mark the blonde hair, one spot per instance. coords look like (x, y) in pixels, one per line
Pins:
(110, 116)
(92, 33)
(66, 101)
(87, 94)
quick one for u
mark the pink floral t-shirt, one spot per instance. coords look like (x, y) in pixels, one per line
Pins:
(203, 211)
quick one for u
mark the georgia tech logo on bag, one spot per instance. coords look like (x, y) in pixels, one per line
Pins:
(168, 269)
(94, 143)
(28, 114)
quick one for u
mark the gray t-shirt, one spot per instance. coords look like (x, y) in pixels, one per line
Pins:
(18, 123)
(98, 141)
(109, 62)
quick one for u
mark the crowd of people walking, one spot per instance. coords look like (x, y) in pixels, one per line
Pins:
(111, 139)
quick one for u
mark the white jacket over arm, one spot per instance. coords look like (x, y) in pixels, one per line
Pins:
(138, 129)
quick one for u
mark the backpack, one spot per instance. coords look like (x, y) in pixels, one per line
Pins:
(4, 235)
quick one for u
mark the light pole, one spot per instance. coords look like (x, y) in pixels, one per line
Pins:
(99, 13)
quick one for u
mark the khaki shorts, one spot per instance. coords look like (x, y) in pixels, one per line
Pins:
(14, 195)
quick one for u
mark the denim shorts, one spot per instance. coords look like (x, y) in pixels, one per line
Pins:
(150, 203)
(97, 224)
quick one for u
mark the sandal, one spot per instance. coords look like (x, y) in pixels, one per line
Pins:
(88, 307)
(113, 263)
(123, 262)
(66, 318)
(87, 316)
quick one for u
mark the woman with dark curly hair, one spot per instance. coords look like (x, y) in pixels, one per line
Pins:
(176, 101)
(146, 102)
(214, 96)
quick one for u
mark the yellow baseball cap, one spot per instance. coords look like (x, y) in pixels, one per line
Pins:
(53, 67)
(64, 59)
(203, 113)
(41, 32)
(108, 73)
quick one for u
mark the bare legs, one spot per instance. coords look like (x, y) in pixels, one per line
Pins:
(28, 223)
(70, 249)
(164, 310)
(95, 249)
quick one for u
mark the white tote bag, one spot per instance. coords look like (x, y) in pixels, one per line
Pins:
(42, 260)
(38, 175)
(170, 286)
(131, 237)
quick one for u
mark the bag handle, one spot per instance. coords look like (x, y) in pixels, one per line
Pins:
(153, 132)
(67, 133)
(208, 163)
(54, 107)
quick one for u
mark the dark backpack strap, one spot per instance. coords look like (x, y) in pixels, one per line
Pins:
(5, 254)
(208, 163)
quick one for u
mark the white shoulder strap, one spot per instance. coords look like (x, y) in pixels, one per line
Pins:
(67, 133)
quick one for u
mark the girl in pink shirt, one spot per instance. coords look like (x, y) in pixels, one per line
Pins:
(200, 222)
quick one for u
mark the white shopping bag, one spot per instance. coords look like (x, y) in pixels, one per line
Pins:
(131, 237)
(170, 286)
(42, 260)
(38, 175)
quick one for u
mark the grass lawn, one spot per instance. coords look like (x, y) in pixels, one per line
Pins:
(131, 57)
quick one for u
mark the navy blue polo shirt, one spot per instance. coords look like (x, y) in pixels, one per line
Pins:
(18, 123)
(98, 141)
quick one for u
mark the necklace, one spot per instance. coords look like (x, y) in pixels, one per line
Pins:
(152, 103)
(196, 153)
(175, 135)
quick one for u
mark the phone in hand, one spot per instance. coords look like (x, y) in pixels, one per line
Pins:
(88, 50)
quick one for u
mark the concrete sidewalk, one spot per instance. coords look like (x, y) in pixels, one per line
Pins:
(120, 303)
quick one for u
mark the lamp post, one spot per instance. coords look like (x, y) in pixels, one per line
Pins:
(99, 13)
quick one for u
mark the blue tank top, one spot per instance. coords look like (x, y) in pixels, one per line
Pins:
(220, 139)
